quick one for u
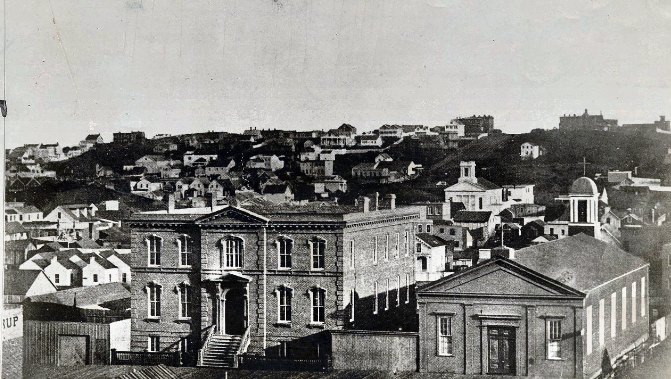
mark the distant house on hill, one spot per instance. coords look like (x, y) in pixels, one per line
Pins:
(195, 158)
(586, 121)
(265, 162)
(343, 136)
(386, 171)
(90, 141)
(127, 138)
(277, 193)
(370, 140)
(476, 193)
(530, 150)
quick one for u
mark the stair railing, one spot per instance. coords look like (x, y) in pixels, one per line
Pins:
(208, 337)
(244, 344)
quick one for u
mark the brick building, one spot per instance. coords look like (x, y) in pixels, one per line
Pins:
(130, 137)
(586, 121)
(275, 277)
(477, 124)
(546, 313)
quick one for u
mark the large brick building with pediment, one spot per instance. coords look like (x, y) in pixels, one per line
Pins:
(269, 279)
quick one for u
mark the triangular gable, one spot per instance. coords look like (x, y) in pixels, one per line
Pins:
(232, 215)
(464, 187)
(499, 277)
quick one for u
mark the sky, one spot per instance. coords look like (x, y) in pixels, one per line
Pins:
(75, 67)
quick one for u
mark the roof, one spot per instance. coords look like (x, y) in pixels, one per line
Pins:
(486, 184)
(18, 282)
(27, 209)
(431, 240)
(93, 295)
(365, 166)
(275, 188)
(17, 245)
(584, 186)
(394, 165)
(92, 137)
(571, 260)
(14, 227)
(472, 216)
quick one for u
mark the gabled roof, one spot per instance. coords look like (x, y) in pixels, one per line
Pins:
(571, 260)
(14, 227)
(17, 245)
(18, 282)
(92, 137)
(499, 270)
(431, 240)
(85, 296)
(472, 216)
(275, 188)
(487, 185)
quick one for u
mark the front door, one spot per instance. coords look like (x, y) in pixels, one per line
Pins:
(501, 350)
(235, 312)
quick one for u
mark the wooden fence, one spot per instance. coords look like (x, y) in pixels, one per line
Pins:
(374, 350)
(262, 362)
(145, 358)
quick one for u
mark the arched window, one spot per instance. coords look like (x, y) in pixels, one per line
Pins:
(154, 250)
(153, 300)
(232, 251)
(184, 243)
(285, 247)
(284, 300)
(318, 249)
(318, 296)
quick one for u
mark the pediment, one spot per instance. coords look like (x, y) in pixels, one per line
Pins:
(500, 278)
(464, 187)
(232, 215)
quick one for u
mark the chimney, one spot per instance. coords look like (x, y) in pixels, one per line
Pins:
(636, 171)
(392, 201)
(92, 260)
(54, 259)
(653, 215)
(377, 201)
(171, 203)
(363, 204)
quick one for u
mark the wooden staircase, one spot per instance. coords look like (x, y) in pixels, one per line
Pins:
(221, 350)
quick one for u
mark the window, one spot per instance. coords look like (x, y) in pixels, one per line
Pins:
(419, 247)
(375, 249)
(375, 303)
(154, 300)
(184, 245)
(285, 247)
(124, 277)
(398, 290)
(386, 247)
(153, 343)
(318, 311)
(398, 244)
(453, 232)
(642, 297)
(444, 336)
(442, 230)
(407, 246)
(420, 228)
(284, 296)
(602, 320)
(582, 210)
(154, 250)
(184, 345)
(184, 301)
(608, 220)
(553, 333)
(552, 231)
(386, 297)
(352, 296)
(624, 308)
(613, 315)
(407, 288)
(351, 254)
(423, 264)
(429, 210)
(428, 228)
(480, 202)
(57, 278)
(633, 302)
(318, 247)
(232, 252)
(95, 278)
(588, 332)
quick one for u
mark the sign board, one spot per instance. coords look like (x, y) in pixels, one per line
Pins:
(12, 323)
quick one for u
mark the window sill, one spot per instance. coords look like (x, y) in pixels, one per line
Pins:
(317, 269)
(316, 325)
(284, 269)
(153, 319)
(283, 324)
(445, 355)
(185, 266)
(556, 359)
(183, 320)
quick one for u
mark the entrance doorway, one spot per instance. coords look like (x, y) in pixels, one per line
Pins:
(229, 310)
(501, 350)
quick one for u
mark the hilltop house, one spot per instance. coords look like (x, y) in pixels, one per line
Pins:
(370, 140)
(153, 164)
(20, 212)
(265, 162)
(530, 150)
(277, 193)
(219, 167)
(90, 141)
(195, 158)
(343, 136)
(385, 171)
